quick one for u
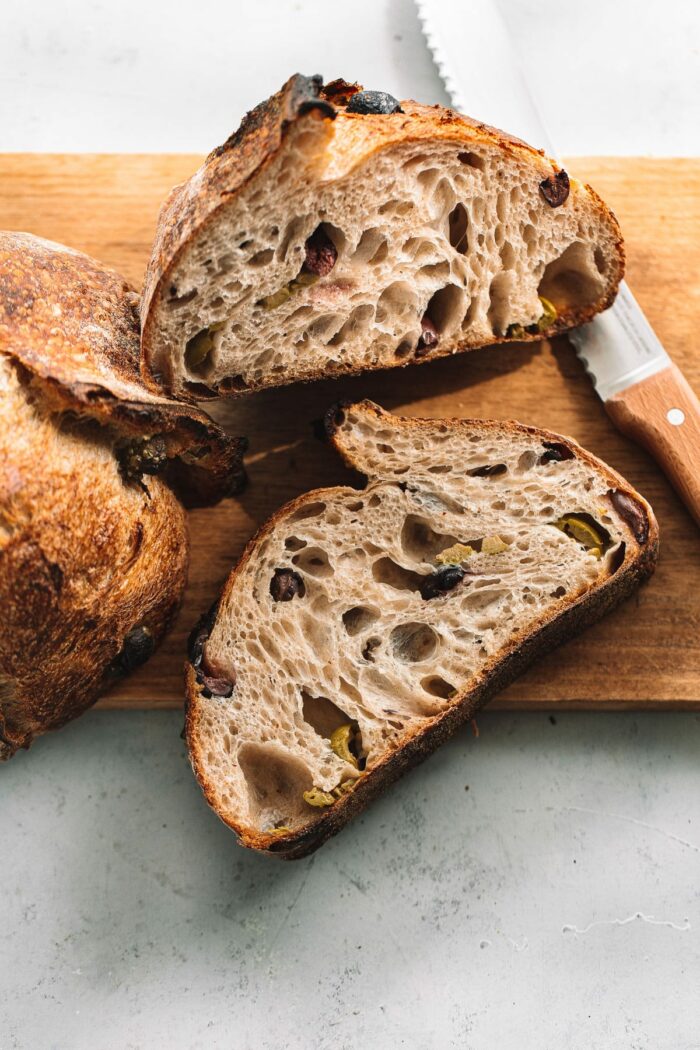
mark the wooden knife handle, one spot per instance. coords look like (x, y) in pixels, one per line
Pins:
(662, 413)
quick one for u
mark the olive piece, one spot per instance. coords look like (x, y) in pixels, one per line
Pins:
(455, 554)
(316, 797)
(549, 314)
(138, 645)
(555, 188)
(555, 452)
(321, 254)
(373, 102)
(342, 789)
(632, 513)
(275, 299)
(199, 634)
(441, 582)
(515, 331)
(493, 545)
(585, 531)
(199, 347)
(429, 337)
(212, 686)
(341, 741)
(146, 456)
(286, 584)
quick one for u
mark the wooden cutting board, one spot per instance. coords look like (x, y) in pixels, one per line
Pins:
(646, 653)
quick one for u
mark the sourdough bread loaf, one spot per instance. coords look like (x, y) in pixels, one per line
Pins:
(337, 232)
(360, 628)
(93, 541)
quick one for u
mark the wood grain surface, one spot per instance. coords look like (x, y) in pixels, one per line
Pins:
(646, 411)
(647, 652)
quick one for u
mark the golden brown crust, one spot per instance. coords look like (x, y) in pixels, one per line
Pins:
(638, 564)
(74, 326)
(260, 137)
(93, 562)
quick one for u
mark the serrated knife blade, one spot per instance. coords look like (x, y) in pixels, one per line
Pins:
(644, 393)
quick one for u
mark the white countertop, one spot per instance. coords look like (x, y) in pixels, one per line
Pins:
(536, 888)
(618, 77)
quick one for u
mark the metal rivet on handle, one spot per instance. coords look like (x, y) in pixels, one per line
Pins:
(675, 416)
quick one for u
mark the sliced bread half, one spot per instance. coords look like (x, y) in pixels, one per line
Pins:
(338, 230)
(360, 628)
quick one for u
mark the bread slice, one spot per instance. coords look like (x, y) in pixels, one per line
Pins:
(93, 539)
(360, 628)
(325, 237)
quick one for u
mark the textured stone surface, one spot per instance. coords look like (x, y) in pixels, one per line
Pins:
(555, 903)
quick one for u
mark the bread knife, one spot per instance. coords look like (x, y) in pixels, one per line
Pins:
(644, 393)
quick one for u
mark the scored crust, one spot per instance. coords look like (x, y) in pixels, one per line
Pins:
(93, 546)
(432, 215)
(362, 634)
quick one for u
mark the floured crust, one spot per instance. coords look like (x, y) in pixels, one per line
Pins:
(193, 209)
(573, 612)
(93, 557)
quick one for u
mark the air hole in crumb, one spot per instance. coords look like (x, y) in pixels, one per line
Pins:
(322, 714)
(276, 782)
(420, 541)
(313, 561)
(405, 348)
(387, 571)
(293, 235)
(261, 258)
(437, 686)
(232, 383)
(198, 390)
(310, 510)
(472, 160)
(176, 300)
(446, 308)
(508, 257)
(458, 222)
(413, 642)
(358, 320)
(617, 557)
(572, 280)
(500, 292)
(358, 618)
(334, 234)
(294, 543)
(397, 301)
(599, 259)
(527, 461)
(371, 249)
(558, 593)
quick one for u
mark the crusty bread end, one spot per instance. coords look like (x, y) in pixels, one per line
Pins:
(321, 241)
